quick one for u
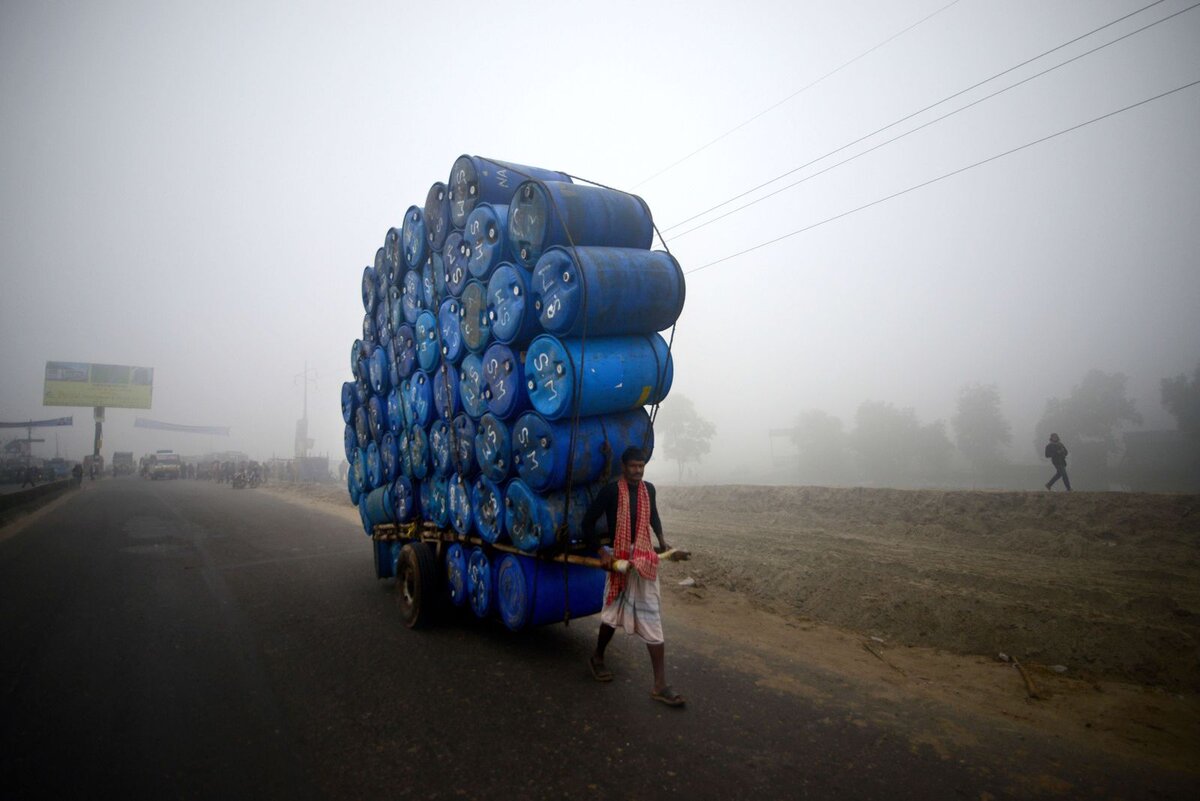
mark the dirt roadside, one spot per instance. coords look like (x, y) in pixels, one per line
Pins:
(911, 596)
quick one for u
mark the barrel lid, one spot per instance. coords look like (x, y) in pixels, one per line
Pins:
(413, 237)
(437, 215)
(460, 504)
(369, 291)
(504, 382)
(369, 332)
(488, 501)
(449, 330)
(362, 426)
(374, 466)
(395, 411)
(558, 292)
(528, 217)
(446, 398)
(493, 447)
(350, 440)
(510, 306)
(533, 449)
(383, 324)
(430, 280)
(404, 347)
(418, 399)
(549, 377)
(470, 386)
(425, 335)
(455, 263)
(512, 592)
(418, 451)
(525, 516)
(464, 189)
(349, 400)
(393, 254)
(476, 328)
(403, 499)
(376, 417)
(486, 239)
(378, 259)
(439, 447)
(463, 444)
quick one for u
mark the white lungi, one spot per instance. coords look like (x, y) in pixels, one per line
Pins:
(637, 609)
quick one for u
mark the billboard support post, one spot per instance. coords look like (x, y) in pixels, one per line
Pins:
(98, 413)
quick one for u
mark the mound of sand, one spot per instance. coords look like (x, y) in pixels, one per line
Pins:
(1107, 584)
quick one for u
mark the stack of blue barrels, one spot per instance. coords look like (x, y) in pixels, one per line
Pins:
(510, 345)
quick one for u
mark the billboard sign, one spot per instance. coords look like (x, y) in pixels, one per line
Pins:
(84, 384)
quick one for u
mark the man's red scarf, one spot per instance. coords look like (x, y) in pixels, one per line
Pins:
(644, 559)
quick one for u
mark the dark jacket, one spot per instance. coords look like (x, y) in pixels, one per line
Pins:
(606, 503)
(1056, 452)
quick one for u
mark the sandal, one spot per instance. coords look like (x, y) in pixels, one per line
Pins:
(668, 696)
(599, 672)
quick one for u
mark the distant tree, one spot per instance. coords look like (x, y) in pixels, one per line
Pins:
(1094, 411)
(685, 434)
(980, 430)
(821, 441)
(932, 450)
(1181, 398)
(884, 439)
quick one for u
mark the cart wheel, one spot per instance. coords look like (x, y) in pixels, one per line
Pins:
(416, 585)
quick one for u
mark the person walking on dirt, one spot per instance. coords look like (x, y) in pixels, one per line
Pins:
(631, 600)
(77, 474)
(1056, 452)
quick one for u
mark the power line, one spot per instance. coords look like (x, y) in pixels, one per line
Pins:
(913, 114)
(943, 177)
(799, 91)
(924, 125)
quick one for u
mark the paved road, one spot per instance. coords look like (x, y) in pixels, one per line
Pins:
(186, 640)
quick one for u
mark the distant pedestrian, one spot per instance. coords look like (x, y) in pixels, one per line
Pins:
(92, 472)
(29, 478)
(77, 473)
(1056, 452)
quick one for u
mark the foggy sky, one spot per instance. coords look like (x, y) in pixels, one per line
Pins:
(197, 188)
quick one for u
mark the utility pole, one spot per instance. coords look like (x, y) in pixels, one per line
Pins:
(303, 443)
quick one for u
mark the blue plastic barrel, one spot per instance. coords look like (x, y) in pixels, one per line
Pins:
(412, 297)
(349, 400)
(358, 355)
(541, 447)
(449, 331)
(470, 386)
(394, 409)
(462, 443)
(413, 236)
(374, 465)
(382, 285)
(475, 180)
(435, 501)
(370, 334)
(446, 397)
(389, 457)
(552, 213)
(405, 503)
(418, 451)
(350, 441)
(532, 519)
(486, 239)
(404, 447)
(475, 325)
(627, 291)
(455, 256)
(510, 306)
(504, 382)
(362, 425)
(379, 506)
(404, 346)
(621, 373)
(383, 325)
(359, 465)
(393, 255)
(456, 574)
(387, 555)
(487, 509)
(459, 500)
(493, 448)
(352, 484)
(362, 513)
(480, 583)
(439, 448)
(425, 334)
(418, 399)
(395, 301)
(433, 282)
(437, 215)
(378, 370)
(532, 592)
(363, 388)
(376, 417)
(369, 296)
(393, 365)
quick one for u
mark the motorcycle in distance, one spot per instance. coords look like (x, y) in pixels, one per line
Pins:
(246, 478)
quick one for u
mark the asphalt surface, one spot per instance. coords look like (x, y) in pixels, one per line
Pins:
(186, 640)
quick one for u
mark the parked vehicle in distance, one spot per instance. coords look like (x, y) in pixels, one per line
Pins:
(122, 463)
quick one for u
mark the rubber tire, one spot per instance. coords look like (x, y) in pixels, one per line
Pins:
(417, 594)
